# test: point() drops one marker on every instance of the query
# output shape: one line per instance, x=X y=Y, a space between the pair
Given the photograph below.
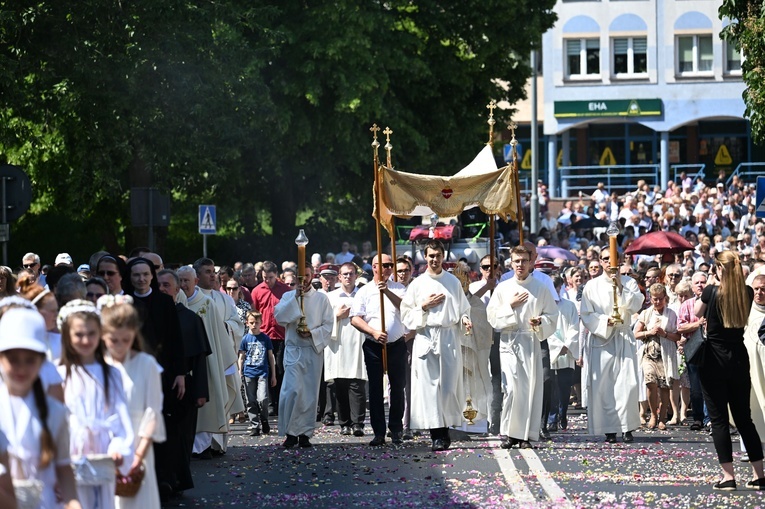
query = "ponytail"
x=47 y=447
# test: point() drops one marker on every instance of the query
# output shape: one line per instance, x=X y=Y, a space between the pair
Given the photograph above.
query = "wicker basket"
x=94 y=470
x=128 y=485
x=28 y=493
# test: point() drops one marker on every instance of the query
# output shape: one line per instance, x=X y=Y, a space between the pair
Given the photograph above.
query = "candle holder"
x=301 y=241
x=612 y=232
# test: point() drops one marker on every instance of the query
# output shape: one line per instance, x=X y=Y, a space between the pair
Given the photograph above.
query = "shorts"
x=653 y=373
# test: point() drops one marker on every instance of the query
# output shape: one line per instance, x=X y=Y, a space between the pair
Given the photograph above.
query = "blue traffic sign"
x=508 y=152
x=760 y=212
x=207 y=220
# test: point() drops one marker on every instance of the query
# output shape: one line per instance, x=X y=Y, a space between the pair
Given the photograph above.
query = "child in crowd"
x=257 y=364
x=142 y=381
x=99 y=422
x=34 y=424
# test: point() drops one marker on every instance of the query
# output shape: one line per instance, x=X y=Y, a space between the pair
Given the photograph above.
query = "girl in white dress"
x=99 y=421
x=141 y=378
x=34 y=424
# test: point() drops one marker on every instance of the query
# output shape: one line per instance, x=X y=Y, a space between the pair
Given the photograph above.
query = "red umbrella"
x=659 y=243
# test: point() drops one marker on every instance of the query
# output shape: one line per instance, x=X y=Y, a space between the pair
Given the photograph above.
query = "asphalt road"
x=669 y=469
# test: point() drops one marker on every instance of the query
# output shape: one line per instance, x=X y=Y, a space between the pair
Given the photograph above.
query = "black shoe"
x=610 y=438
x=545 y=434
x=397 y=437
x=165 y=492
x=328 y=421
x=272 y=412
x=204 y=455
x=304 y=442
x=494 y=429
x=525 y=444
x=346 y=431
x=447 y=443
x=696 y=426
x=265 y=427
x=508 y=443
x=729 y=485
x=627 y=437
x=552 y=427
x=290 y=442
x=438 y=445
x=758 y=484
x=407 y=434
x=377 y=441
x=358 y=430
x=389 y=434
x=254 y=432
x=563 y=423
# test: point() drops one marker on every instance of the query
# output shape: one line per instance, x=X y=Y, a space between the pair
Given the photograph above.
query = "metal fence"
x=748 y=172
x=618 y=178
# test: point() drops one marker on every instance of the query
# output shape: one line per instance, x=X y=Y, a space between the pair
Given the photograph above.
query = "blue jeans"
x=257 y=400
x=698 y=406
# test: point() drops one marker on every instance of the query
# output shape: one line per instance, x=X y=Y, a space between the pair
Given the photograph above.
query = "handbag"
x=128 y=485
x=694 y=348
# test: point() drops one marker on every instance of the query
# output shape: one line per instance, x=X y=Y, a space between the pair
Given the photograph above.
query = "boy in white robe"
x=303 y=360
x=610 y=370
x=524 y=310
x=435 y=306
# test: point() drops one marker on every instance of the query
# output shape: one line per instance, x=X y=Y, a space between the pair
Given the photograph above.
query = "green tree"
x=262 y=107
x=747 y=31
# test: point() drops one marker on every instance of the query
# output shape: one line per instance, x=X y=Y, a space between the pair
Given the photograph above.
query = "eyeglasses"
x=232 y=288
x=291 y=284
x=403 y=271
x=387 y=265
x=29 y=265
x=605 y=258
x=109 y=273
x=673 y=275
x=488 y=267
x=346 y=274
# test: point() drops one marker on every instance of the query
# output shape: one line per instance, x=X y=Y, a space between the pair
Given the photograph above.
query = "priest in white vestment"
x=756 y=349
x=212 y=418
x=609 y=375
x=564 y=352
x=344 y=357
x=303 y=360
x=435 y=306
x=524 y=311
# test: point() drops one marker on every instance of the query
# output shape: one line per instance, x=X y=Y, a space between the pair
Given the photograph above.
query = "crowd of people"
x=117 y=373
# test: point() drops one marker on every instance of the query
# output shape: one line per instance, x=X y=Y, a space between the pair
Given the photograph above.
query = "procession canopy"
x=480 y=184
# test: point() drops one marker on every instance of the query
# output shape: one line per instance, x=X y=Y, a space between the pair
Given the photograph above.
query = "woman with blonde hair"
x=724 y=368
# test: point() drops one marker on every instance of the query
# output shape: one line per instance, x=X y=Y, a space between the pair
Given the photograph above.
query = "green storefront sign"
x=619 y=108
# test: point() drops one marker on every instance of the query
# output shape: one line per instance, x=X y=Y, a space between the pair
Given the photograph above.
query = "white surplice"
x=97 y=425
x=610 y=374
x=142 y=381
x=303 y=360
x=437 y=392
x=756 y=350
x=344 y=356
x=20 y=423
x=475 y=359
x=565 y=335
x=520 y=352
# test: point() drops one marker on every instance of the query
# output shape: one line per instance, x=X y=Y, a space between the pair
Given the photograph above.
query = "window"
x=732 y=59
x=630 y=57
x=694 y=55
x=582 y=58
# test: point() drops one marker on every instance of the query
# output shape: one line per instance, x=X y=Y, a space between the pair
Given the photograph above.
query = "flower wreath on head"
x=107 y=301
x=75 y=306
x=16 y=302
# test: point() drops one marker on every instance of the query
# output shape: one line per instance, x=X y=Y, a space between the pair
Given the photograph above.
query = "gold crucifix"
x=388 y=147
x=491 y=106
x=374 y=130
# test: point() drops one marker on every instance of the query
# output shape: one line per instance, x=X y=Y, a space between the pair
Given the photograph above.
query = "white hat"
x=24 y=329
x=63 y=259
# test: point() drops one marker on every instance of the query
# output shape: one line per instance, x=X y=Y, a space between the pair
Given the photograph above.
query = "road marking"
x=552 y=489
x=513 y=477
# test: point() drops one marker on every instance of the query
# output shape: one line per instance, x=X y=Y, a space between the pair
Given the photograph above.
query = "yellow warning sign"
x=723 y=157
x=526 y=163
x=607 y=158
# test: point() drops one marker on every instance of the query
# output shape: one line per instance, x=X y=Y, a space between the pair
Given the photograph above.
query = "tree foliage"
x=747 y=31
x=262 y=107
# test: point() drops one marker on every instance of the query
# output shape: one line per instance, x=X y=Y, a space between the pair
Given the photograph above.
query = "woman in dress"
x=34 y=424
x=142 y=381
x=99 y=420
x=724 y=368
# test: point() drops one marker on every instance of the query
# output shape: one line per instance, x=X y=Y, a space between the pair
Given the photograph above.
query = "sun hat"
x=24 y=329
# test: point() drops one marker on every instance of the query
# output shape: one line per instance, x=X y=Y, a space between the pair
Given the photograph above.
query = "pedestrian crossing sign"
x=207 y=220
x=760 y=212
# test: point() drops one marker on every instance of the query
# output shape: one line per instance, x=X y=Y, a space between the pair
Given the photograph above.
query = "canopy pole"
x=376 y=166
x=516 y=178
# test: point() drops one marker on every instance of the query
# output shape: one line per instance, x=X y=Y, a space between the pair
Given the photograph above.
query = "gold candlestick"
x=301 y=241
x=612 y=232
